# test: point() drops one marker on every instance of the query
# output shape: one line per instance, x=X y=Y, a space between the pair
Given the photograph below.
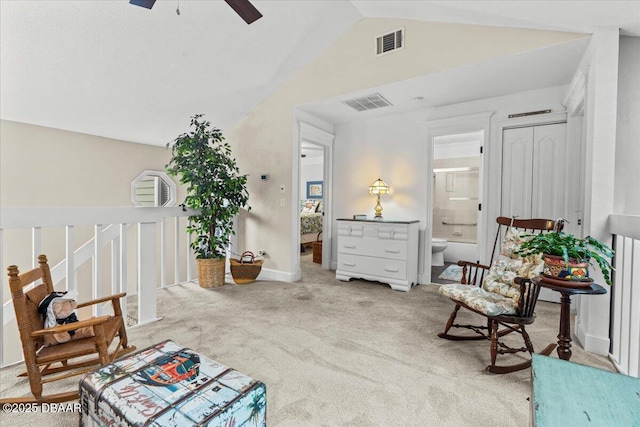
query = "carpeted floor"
x=339 y=354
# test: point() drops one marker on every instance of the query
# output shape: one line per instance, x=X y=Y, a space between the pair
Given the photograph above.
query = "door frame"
x=307 y=132
x=449 y=126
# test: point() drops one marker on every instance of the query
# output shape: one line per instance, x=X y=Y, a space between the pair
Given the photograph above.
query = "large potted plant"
x=567 y=257
x=215 y=190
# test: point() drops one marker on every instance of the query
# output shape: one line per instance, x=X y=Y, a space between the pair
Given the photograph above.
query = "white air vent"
x=390 y=42
x=369 y=102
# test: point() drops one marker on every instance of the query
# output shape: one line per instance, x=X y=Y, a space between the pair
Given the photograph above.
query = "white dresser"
x=386 y=251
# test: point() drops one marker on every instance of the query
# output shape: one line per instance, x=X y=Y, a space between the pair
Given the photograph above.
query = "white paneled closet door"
x=549 y=180
x=534 y=178
x=517 y=172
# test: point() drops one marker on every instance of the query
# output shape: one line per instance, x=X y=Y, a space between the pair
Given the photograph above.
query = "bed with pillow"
x=310 y=221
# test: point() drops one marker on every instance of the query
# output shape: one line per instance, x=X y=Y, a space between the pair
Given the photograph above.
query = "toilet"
x=437 y=251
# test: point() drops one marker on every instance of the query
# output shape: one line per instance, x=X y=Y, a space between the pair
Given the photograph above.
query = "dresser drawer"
x=368 y=266
x=373 y=247
x=393 y=233
x=350 y=229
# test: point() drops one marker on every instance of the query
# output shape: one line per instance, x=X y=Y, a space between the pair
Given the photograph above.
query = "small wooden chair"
x=502 y=292
x=42 y=361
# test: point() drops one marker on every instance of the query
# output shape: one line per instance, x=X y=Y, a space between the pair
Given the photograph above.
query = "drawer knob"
x=349 y=264
x=391 y=270
x=392 y=251
x=349 y=246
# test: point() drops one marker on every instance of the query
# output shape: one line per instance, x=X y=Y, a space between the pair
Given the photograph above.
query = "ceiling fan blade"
x=143 y=3
x=245 y=9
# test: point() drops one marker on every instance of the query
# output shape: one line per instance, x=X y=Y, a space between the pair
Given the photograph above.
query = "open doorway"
x=456 y=203
x=312 y=204
x=312 y=177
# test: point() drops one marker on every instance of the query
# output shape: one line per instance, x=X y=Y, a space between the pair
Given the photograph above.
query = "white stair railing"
x=110 y=227
x=625 y=310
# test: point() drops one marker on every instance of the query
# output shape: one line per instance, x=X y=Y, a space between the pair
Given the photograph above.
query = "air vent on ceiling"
x=390 y=42
x=369 y=102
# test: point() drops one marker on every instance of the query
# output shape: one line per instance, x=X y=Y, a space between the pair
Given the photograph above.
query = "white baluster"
x=147 y=281
x=97 y=268
x=122 y=278
x=176 y=251
x=70 y=271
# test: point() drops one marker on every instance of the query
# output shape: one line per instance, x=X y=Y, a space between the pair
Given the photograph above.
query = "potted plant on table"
x=215 y=190
x=567 y=257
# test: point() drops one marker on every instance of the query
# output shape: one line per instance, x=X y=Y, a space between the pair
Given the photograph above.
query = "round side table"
x=566 y=291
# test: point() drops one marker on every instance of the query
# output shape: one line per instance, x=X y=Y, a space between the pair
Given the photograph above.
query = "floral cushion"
x=499 y=294
x=503 y=270
x=513 y=239
x=488 y=303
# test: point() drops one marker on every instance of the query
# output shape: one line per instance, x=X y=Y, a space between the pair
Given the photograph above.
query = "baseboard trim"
x=146 y=322
x=277 y=275
x=592 y=343
x=422 y=279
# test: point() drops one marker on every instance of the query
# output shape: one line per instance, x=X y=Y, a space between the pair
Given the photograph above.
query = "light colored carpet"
x=339 y=354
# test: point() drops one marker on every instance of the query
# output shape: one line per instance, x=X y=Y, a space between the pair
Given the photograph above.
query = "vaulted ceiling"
x=112 y=69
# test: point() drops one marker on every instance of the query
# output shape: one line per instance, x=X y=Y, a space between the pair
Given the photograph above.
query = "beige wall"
x=263 y=139
x=42 y=166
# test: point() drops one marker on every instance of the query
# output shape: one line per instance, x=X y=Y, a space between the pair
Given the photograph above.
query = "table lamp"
x=377 y=188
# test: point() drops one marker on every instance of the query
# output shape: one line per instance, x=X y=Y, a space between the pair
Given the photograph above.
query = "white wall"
x=601 y=118
x=627 y=173
x=394 y=148
x=263 y=140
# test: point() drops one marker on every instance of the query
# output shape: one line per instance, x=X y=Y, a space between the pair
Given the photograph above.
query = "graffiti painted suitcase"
x=168 y=385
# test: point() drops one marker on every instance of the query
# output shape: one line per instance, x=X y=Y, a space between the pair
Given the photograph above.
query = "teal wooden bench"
x=570 y=394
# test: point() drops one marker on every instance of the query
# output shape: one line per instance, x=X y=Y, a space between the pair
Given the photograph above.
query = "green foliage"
x=569 y=246
x=203 y=162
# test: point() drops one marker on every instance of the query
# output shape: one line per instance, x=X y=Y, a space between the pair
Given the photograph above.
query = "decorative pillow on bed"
x=309 y=207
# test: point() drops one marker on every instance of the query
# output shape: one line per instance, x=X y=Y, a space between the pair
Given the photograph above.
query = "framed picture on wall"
x=314 y=189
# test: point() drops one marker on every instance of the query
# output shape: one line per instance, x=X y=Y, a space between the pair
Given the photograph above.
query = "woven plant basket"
x=246 y=269
x=211 y=272
x=317 y=250
x=555 y=267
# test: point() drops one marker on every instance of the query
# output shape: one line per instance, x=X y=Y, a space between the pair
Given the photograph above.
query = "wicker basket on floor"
x=211 y=272
x=246 y=269
x=317 y=249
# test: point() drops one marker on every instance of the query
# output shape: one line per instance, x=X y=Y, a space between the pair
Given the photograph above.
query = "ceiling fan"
x=244 y=8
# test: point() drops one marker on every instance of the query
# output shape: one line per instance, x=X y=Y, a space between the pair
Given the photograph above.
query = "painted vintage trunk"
x=168 y=385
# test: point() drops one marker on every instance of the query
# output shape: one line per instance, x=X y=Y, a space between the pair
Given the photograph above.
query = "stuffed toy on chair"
x=58 y=308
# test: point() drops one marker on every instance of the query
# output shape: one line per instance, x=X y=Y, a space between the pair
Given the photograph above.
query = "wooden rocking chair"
x=496 y=292
x=43 y=361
